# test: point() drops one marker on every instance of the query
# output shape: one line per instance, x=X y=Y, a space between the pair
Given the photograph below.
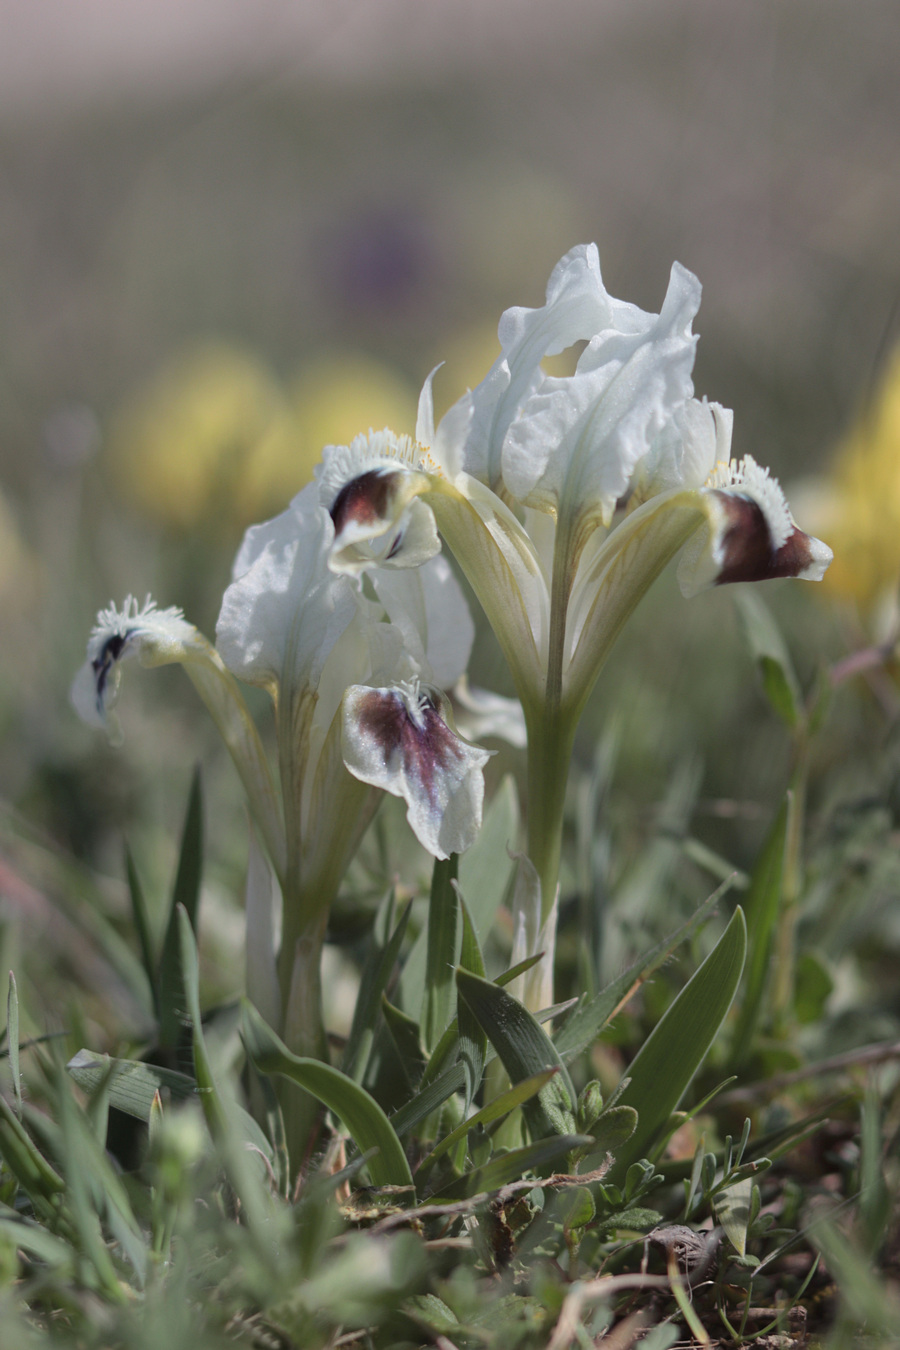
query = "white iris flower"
x=563 y=498
x=355 y=667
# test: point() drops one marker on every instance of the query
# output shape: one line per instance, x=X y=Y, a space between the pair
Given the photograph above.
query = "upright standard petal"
x=577 y=440
x=430 y=610
x=398 y=739
x=285 y=609
x=577 y=306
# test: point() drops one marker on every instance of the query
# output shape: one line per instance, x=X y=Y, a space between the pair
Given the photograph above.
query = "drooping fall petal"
x=157 y=637
x=398 y=739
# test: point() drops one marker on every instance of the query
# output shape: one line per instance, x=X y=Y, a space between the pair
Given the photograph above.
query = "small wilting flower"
x=563 y=497
x=156 y=637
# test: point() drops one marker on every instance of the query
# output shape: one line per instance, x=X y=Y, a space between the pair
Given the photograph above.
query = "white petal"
x=398 y=740
x=576 y=441
x=687 y=451
x=576 y=307
x=488 y=714
x=283 y=614
x=429 y=608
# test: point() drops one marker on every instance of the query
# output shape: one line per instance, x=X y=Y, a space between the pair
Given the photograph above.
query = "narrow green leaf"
x=428 y=1099
x=442 y=952
x=142 y=928
x=677 y=1045
x=35 y=1238
x=133 y=1085
x=507 y=976
x=470 y=956
x=733 y=1213
x=213 y=1109
x=512 y=1166
x=434 y=1091
x=186 y=893
x=38 y=1179
x=762 y=902
x=771 y=654
x=869 y=1298
x=779 y=692
x=404 y=1032
x=79 y=1178
x=373 y=982
x=523 y=1047
x=472 y=1040
x=587 y=1021
x=361 y=1114
x=500 y=1106
x=230 y=1126
x=12 y=1040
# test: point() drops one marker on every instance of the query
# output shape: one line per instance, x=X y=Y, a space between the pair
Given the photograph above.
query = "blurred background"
x=231 y=233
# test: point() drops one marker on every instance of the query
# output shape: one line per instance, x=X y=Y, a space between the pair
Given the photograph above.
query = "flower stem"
x=550 y=738
x=303 y=1027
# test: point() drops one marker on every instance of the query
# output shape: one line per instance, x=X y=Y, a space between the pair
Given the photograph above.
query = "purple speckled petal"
x=397 y=739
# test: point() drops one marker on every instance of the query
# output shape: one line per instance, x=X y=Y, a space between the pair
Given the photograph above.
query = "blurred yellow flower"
x=214 y=435
x=337 y=395
x=859 y=510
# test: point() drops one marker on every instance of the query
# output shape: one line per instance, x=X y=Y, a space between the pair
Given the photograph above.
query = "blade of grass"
x=762 y=904
x=472 y=1040
x=133 y=1085
x=185 y=893
x=363 y=1117
x=374 y=980
x=587 y=1021
x=512 y=1166
x=524 y=1049
x=142 y=928
x=444 y=935
x=500 y=1106
x=12 y=1038
x=671 y=1055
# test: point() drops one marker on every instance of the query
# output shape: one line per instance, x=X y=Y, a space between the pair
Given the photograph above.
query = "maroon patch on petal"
x=425 y=749
x=747 y=545
x=363 y=500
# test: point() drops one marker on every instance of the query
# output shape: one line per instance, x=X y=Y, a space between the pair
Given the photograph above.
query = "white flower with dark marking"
x=159 y=637
x=562 y=498
x=153 y=636
x=750 y=533
x=608 y=471
x=399 y=739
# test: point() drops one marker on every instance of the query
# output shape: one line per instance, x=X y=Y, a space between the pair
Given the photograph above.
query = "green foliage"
x=479 y=1172
x=673 y=1052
